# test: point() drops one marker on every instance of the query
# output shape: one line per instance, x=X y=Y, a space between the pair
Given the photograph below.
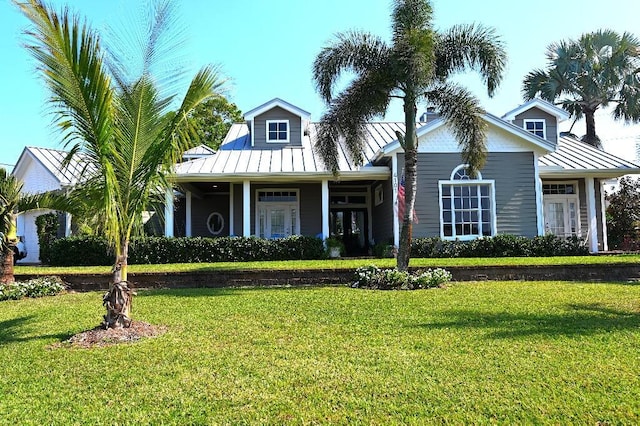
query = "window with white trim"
x=561 y=208
x=537 y=127
x=277 y=131
x=467 y=206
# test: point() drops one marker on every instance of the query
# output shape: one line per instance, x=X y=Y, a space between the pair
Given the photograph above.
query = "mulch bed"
x=100 y=337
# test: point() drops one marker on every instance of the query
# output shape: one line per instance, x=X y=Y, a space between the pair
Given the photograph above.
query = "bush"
x=90 y=250
x=503 y=245
x=47 y=225
x=37 y=287
x=623 y=215
x=375 y=278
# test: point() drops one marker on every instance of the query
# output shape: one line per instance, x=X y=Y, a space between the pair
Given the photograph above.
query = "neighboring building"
x=42 y=170
x=266 y=180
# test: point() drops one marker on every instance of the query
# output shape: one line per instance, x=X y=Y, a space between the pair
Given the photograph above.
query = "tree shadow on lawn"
x=21 y=330
x=577 y=320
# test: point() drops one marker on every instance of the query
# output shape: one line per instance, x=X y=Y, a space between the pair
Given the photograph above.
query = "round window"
x=215 y=223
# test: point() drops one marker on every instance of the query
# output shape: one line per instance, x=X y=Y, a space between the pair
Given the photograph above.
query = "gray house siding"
x=201 y=208
x=537 y=114
x=382 y=215
x=237 y=210
x=276 y=113
x=513 y=174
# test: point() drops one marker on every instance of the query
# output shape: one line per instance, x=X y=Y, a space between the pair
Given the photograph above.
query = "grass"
x=337 y=264
x=484 y=352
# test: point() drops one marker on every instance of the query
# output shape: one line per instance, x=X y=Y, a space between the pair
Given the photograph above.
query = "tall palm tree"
x=414 y=67
x=598 y=69
x=117 y=115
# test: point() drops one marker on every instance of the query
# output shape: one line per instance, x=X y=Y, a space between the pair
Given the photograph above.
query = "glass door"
x=351 y=226
x=561 y=217
x=277 y=220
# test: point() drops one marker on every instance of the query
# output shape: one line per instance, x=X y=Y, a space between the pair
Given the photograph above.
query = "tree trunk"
x=6 y=276
x=591 y=137
x=119 y=297
x=411 y=179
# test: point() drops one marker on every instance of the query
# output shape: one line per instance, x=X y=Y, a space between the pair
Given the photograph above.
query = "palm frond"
x=354 y=51
x=463 y=114
x=471 y=46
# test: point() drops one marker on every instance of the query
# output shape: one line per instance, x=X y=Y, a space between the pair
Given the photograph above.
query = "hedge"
x=91 y=250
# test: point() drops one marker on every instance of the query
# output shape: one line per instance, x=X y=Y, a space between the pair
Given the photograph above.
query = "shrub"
x=47 y=226
x=90 y=250
x=623 y=215
x=502 y=245
x=37 y=287
x=372 y=277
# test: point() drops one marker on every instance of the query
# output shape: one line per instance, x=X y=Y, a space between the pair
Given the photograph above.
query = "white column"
x=325 y=209
x=168 y=213
x=394 y=184
x=539 y=197
x=231 y=224
x=187 y=225
x=603 y=216
x=591 y=215
x=67 y=224
x=246 y=208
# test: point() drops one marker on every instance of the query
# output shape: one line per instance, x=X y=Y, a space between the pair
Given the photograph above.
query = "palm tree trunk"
x=6 y=276
x=119 y=297
x=411 y=180
x=591 y=137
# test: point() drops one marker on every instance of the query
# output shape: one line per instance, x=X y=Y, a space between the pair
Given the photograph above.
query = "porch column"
x=67 y=224
x=187 y=225
x=246 y=208
x=591 y=214
x=325 y=209
x=394 y=183
x=231 y=230
x=168 y=213
x=603 y=217
x=539 y=197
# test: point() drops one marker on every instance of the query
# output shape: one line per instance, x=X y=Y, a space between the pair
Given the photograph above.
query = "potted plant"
x=335 y=247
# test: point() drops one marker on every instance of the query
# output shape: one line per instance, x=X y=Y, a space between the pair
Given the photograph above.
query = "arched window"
x=467 y=205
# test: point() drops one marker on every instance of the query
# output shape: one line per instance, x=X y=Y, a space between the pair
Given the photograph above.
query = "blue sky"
x=266 y=49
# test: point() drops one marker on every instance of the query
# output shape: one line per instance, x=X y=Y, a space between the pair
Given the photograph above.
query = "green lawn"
x=486 y=352
x=338 y=263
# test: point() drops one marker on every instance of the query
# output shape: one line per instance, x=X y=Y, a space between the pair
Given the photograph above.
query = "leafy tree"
x=623 y=216
x=213 y=118
x=594 y=71
x=414 y=67
x=115 y=112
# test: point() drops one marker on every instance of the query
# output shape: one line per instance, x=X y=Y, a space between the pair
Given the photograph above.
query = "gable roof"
x=528 y=137
x=574 y=157
x=198 y=151
x=277 y=102
x=541 y=104
x=52 y=160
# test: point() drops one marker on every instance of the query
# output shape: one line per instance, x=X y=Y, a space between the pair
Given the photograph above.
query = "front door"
x=277 y=220
x=561 y=217
x=352 y=227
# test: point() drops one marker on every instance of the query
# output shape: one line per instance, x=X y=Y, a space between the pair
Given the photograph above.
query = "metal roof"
x=236 y=157
x=197 y=152
x=53 y=159
x=573 y=157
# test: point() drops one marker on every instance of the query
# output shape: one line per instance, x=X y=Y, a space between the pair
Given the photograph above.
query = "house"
x=42 y=170
x=266 y=180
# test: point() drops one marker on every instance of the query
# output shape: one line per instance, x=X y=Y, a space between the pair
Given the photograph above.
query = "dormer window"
x=537 y=127
x=278 y=131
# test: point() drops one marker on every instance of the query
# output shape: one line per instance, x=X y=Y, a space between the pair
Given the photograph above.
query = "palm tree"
x=598 y=69
x=414 y=67
x=117 y=115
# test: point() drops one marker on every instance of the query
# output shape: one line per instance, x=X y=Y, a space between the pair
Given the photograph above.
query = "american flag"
x=401 y=202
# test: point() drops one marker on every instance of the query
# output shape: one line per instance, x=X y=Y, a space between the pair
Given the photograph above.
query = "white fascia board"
x=559 y=172
x=375 y=172
x=277 y=102
x=541 y=104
